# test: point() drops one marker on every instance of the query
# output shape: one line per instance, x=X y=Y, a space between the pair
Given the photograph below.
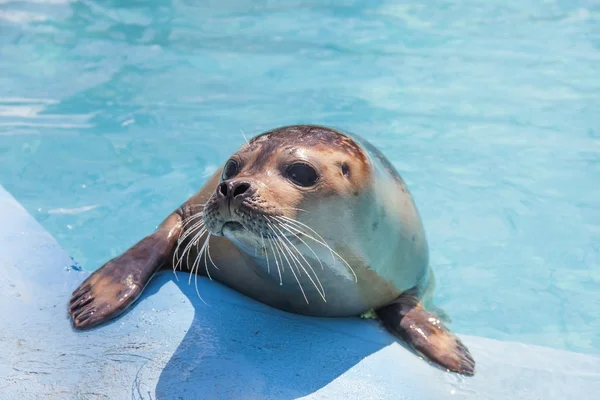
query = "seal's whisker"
x=286 y=250
x=186 y=253
x=197 y=291
x=299 y=263
x=333 y=252
x=187 y=232
x=318 y=281
x=273 y=227
x=245 y=138
x=283 y=251
x=191 y=218
x=208 y=252
x=291 y=223
x=193 y=241
x=276 y=262
x=194 y=271
x=201 y=253
x=264 y=248
x=181 y=238
x=196 y=262
x=205 y=262
x=186 y=249
x=290 y=208
x=284 y=226
x=277 y=243
x=197 y=205
x=299 y=225
x=176 y=256
x=280 y=260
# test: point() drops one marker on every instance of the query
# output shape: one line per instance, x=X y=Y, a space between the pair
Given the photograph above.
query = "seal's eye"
x=231 y=168
x=345 y=170
x=302 y=174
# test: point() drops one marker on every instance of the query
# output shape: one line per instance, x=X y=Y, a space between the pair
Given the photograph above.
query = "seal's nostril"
x=222 y=189
x=241 y=189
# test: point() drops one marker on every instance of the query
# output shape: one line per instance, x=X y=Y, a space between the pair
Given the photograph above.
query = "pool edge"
x=147 y=349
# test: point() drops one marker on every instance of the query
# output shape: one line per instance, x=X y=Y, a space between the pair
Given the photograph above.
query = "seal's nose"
x=234 y=190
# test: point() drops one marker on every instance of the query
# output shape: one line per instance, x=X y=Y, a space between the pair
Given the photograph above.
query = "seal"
x=302 y=218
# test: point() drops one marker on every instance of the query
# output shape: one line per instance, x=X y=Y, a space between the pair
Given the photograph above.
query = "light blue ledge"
x=172 y=345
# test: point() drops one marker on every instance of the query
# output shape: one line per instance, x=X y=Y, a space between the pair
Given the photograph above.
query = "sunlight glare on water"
x=113 y=112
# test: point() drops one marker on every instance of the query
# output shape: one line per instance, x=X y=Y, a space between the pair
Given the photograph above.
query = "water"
x=113 y=112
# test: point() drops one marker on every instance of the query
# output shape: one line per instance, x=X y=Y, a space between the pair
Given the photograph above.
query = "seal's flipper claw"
x=117 y=284
x=111 y=292
x=110 y=300
x=425 y=333
x=81 y=291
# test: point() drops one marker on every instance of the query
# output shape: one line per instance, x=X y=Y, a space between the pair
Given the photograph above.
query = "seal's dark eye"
x=345 y=170
x=302 y=174
x=231 y=168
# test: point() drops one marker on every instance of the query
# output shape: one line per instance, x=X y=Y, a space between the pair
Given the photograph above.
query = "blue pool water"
x=113 y=112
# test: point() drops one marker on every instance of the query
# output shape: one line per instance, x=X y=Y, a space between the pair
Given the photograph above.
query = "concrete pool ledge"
x=173 y=345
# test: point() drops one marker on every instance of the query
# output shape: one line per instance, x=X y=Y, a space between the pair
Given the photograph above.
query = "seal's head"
x=308 y=174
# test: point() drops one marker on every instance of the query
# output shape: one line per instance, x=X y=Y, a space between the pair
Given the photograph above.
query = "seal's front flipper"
x=425 y=333
x=117 y=284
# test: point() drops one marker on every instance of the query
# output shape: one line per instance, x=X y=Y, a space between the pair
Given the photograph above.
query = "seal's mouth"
x=245 y=223
x=235 y=228
x=232 y=226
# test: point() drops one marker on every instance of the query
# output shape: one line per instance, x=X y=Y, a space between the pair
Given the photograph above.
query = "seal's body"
x=302 y=218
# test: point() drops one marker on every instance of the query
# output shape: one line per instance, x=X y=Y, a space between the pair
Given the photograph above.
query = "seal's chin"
x=243 y=235
x=231 y=227
x=243 y=238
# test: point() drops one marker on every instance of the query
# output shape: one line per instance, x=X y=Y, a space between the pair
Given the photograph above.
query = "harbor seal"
x=303 y=218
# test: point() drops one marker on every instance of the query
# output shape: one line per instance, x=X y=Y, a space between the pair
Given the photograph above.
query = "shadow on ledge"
x=237 y=348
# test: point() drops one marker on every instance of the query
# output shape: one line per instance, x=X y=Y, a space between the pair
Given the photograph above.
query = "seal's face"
x=284 y=181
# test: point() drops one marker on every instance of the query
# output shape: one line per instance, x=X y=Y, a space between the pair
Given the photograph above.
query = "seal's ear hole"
x=345 y=170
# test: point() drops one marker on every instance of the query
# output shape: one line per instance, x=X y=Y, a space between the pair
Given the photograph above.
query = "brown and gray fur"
x=350 y=242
